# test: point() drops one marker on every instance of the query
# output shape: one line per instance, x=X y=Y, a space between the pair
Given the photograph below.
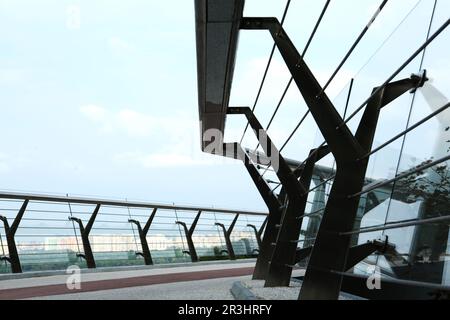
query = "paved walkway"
x=211 y=281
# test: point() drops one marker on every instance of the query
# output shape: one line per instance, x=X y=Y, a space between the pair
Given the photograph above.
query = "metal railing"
x=42 y=232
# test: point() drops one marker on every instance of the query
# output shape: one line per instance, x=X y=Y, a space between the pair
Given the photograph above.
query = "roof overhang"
x=217 y=30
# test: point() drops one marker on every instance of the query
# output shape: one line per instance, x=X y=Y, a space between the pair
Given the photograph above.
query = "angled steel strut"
x=143 y=237
x=84 y=231
x=227 y=235
x=295 y=191
x=328 y=260
x=284 y=254
x=273 y=204
x=189 y=232
x=10 y=231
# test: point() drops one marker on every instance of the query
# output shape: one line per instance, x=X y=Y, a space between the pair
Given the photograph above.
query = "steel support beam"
x=291 y=186
x=143 y=237
x=227 y=236
x=235 y=151
x=258 y=232
x=189 y=232
x=10 y=232
x=323 y=277
x=84 y=232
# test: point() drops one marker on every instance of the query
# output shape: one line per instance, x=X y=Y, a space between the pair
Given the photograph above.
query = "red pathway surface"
x=57 y=289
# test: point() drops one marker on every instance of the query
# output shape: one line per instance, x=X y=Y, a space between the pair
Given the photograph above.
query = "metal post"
x=189 y=232
x=292 y=188
x=284 y=254
x=227 y=235
x=258 y=233
x=10 y=231
x=143 y=237
x=84 y=231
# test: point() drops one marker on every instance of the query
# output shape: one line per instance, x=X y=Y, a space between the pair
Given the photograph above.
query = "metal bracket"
x=84 y=232
x=143 y=237
x=227 y=235
x=189 y=232
x=10 y=231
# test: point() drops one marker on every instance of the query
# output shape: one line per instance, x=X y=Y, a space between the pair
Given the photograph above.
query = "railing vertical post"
x=84 y=231
x=10 y=231
x=146 y=254
x=258 y=232
x=227 y=236
x=189 y=232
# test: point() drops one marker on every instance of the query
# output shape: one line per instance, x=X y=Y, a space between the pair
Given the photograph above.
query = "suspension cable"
x=286 y=9
x=311 y=37
x=355 y=44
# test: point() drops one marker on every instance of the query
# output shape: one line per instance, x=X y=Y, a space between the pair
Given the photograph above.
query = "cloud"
x=13 y=76
x=120 y=46
x=94 y=112
x=172 y=158
x=4 y=166
x=131 y=122
x=174 y=140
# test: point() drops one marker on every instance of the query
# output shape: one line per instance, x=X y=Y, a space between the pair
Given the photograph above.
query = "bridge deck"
x=202 y=281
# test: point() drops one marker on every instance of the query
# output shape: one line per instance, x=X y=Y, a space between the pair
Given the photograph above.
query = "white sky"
x=107 y=105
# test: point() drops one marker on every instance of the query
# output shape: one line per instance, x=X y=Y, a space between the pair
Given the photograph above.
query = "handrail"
x=108 y=202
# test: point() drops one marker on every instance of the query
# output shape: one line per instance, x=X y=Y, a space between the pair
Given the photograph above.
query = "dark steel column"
x=227 y=236
x=291 y=186
x=258 y=233
x=10 y=231
x=84 y=231
x=272 y=203
x=189 y=232
x=143 y=237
